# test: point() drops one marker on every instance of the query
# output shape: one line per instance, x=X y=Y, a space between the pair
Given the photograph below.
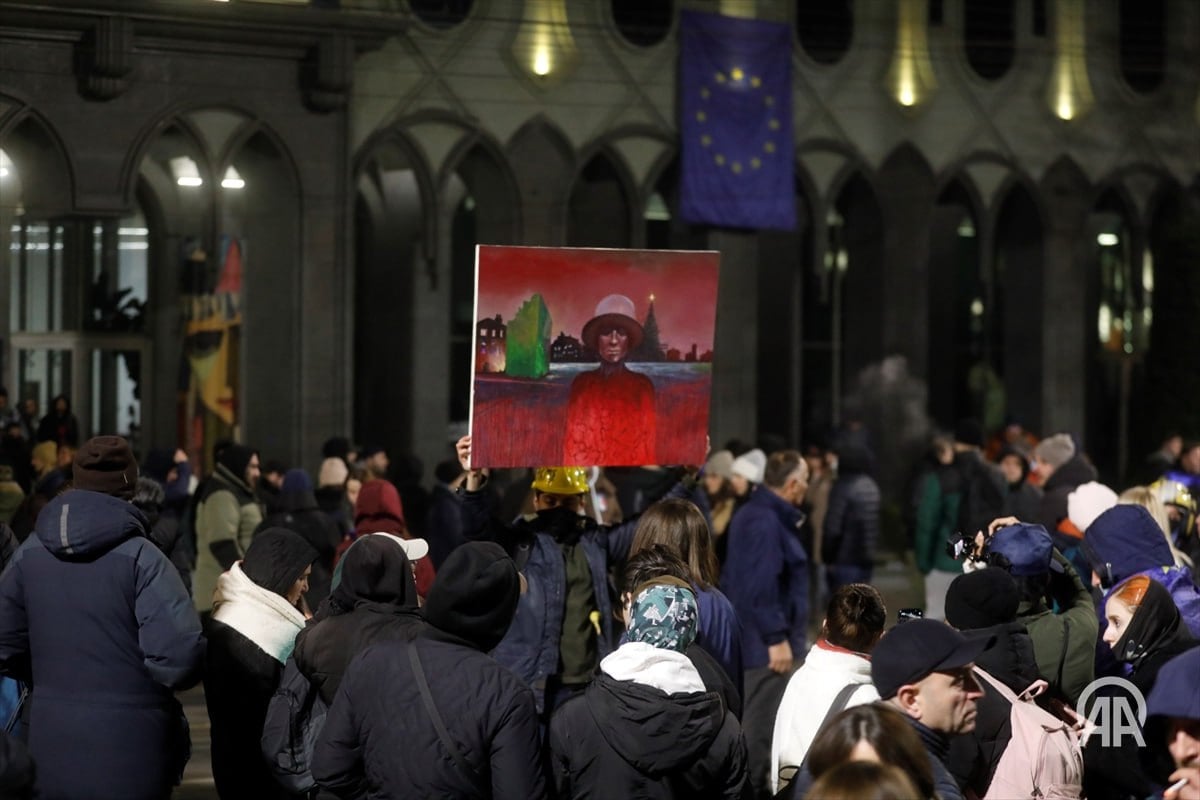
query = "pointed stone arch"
x=1019 y=247
x=601 y=210
x=545 y=165
x=35 y=149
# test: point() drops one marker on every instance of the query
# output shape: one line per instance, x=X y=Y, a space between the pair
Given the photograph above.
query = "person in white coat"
x=853 y=623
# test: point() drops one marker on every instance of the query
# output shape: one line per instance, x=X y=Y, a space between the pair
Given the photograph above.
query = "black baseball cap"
x=909 y=652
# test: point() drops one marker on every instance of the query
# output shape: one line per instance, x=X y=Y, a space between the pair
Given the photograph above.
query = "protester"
x=227 y=514
x=747 y=473
x=851 y=529
x=565 y=624
x=375 y=600
x=680 y=527
x=257 y=613
x=1056 y=607
x=924 y=669
x=1146 y=631
x=863 y=780
x=718 y=471
x=1021 y=498
x=1172 y=729
x=985 y=603
x=297 y=510
x=872 y=732
x=1062 y=470
x=647 y=727
x=59 y=425
x=936 y=524
x=837 y=668
x=652 y=563
x=438 y=717
x=96 y=617
x=379 y=510
x=766 y=578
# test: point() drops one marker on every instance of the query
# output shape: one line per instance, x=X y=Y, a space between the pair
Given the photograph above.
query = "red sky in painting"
x=684 y=285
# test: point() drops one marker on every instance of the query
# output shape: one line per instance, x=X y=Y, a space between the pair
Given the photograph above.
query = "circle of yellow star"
x=720 y=77
x=755 y=163
x=736 y=167
x=737 y=74
x=704 y=93
x=706 y=140
x=720 y=159
x=769 y=147
x=773 y=124
x=756 y=81
x=701 y=116
x=768 y=100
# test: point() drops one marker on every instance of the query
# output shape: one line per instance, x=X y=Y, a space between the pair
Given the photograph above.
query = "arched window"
x=825 y=29
x=1143 y=43
x=643 y=22
x=988 y=35
x=598 y=211
x=441 y=13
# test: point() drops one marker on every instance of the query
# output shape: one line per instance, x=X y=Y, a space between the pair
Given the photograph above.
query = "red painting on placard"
x=589 y=357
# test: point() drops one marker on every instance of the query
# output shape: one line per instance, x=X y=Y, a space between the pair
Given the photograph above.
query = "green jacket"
x=1064 y=644
x=937 y=520
x=225 y=518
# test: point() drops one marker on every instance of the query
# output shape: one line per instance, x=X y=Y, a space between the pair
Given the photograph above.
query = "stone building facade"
x=999 y=192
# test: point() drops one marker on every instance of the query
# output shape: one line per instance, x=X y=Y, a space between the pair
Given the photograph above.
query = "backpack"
x=1043 y=759
x=294 y=720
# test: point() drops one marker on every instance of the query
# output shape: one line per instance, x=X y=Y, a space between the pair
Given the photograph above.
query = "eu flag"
x=736 y=88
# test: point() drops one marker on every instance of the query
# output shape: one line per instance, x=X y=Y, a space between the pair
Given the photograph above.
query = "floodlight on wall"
x=1069 y=92
x=232 y=180
x=910 y=77
x=186 y=172
x=1108 y=240
x=544 y=44
x=5 y=165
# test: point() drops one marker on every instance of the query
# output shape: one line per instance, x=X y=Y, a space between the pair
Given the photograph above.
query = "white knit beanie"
x=1088 y=501
x=751 y=465
x=333 y=473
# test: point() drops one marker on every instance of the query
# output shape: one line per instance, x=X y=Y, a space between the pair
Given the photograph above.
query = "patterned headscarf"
x=665 y=616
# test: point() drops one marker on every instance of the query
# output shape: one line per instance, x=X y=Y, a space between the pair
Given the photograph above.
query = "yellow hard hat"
x=560 y=480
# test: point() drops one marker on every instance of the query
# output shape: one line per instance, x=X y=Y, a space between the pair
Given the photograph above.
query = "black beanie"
x=982 y=599
x=474 y=595
x=105 y=464
x=276 y=558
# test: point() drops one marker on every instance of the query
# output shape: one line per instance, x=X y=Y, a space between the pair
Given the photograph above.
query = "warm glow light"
x=543 y=44
x=1107 y=240
x=1069 y=93
x=232 y=180
x=186 y=181
x=541 y=61
x=910 y=77
x=3 y=172
x=186 y=172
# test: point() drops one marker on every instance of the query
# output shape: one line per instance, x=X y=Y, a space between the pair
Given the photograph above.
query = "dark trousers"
x=764 y=690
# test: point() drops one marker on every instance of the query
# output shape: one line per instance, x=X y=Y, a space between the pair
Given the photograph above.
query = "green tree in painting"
x=529 y=340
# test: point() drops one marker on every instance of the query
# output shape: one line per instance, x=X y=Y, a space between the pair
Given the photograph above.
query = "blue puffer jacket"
x=103 y=618
x=766 y=576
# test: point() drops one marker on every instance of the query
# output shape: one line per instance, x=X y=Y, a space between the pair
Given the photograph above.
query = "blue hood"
x=1176 y=693
x=1124 y=541
x=81 y=523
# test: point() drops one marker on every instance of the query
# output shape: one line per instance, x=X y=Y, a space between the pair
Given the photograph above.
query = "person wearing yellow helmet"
x=565 y=622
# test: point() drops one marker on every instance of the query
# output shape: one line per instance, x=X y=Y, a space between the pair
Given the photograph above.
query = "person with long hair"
x=863 y=780
x=876 y=733
x=680 y=526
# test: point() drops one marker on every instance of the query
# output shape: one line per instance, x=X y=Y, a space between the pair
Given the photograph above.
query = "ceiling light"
x=232 y=180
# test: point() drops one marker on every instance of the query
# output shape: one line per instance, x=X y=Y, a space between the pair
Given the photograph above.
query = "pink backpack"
x=1043 y=758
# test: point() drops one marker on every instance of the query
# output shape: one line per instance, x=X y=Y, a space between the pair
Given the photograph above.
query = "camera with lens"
x=961 y=546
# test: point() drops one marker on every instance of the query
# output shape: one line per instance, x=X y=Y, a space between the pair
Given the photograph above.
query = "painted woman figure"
x=610 y=414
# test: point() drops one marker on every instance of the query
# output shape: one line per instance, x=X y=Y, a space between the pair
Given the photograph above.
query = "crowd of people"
x=571 y=632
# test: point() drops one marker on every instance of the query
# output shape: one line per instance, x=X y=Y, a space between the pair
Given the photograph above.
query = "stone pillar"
x=735 y=367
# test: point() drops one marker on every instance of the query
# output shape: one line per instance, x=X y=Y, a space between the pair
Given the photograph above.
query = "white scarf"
x=667 y=670
x=262 y=616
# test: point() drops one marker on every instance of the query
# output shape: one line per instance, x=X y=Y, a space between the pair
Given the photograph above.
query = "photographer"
x=1064 y=643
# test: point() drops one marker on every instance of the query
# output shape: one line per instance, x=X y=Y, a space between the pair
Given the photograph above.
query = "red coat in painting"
x=610 y=418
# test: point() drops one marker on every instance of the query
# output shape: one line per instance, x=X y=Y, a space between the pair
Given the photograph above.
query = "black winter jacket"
x=300 y=513
x=379 y=740
x=973 y=757
x=851 y=530
x=239 y=680
x=621 y=739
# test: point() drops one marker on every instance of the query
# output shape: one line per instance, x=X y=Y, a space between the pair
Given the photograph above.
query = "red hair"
x=1133 y=591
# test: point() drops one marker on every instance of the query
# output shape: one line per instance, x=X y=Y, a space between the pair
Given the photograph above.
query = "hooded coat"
x=1125 y=541
x=1176 y=694
x=97 y=617
x=251 y=636
x=375 y=601
x=1155 y=635
x=628 y=738
x=379 y=740
x=379 y=510
x=851 y=529
x=297 y=510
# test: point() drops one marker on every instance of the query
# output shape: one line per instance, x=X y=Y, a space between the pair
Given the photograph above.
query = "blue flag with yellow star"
x=735 y=83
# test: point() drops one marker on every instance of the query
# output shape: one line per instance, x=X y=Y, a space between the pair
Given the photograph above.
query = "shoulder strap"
x=839 y=703
x=419 y=673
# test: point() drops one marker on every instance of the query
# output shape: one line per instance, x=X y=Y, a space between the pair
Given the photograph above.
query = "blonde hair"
x=1148 y=499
